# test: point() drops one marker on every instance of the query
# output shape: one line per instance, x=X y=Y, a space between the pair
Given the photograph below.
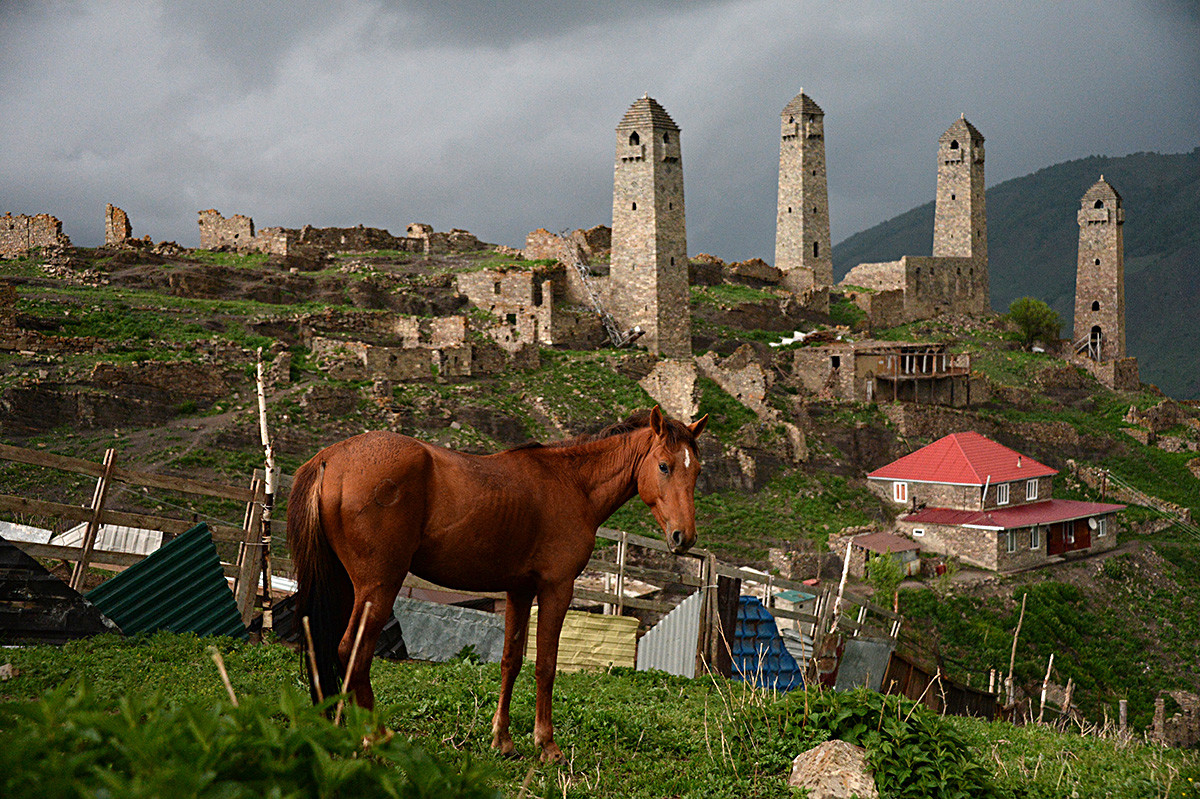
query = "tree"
x=1035 y=321
x=885 y=574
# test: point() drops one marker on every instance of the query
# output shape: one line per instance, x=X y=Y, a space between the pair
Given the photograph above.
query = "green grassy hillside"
x=1033 y=240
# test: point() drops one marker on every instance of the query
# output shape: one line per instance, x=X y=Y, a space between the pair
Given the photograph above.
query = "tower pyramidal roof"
x=802 y=104
x=1101 y=189
x=960 y=128
x=646 y=112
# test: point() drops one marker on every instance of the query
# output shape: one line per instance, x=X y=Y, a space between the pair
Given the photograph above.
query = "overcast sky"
x=498 y=117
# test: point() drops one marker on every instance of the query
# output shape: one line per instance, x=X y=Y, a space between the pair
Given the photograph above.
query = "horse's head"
x=667 y=478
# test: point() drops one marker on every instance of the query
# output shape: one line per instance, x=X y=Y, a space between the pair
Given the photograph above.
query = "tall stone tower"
x=1100 y=275
x=649 y=272
x=802 y=247
x=960 y=211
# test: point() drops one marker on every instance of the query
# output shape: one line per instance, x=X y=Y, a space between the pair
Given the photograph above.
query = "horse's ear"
x=697 y=427
x=656 y=421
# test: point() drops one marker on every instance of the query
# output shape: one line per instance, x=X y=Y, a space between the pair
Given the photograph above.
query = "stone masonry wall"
x=236 y=232
x=520 y=298
x=21 y=233
x=1100 y=272
x=803 y=252
x=117 y=229
x=976 y=547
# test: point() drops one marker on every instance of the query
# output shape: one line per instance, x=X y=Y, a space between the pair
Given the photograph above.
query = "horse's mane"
x=676 y=432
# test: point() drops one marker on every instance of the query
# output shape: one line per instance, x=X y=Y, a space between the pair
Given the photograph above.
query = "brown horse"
x=366 y=511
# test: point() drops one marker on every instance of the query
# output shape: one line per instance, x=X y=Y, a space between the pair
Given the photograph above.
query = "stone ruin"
x=1181 y=730
x=21 y=233
x=237 y=233
x=117 y=229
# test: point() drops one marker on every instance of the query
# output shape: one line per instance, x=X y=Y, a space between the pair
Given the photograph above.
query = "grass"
x=727 y=295
x=242 y=260
x=624 y=733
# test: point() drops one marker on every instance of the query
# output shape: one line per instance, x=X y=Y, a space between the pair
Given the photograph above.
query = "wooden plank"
x=99 y=556
x=78 y=513
x=79 y=466
x=40 y=507
x=646 y=575
x=588 y=595
x=184 y=485
x=50 y=460
x=795 y=615
x=413 y=581
x=750 y=576
x=94 y=522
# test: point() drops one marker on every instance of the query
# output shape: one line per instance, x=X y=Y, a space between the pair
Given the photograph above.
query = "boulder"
x=834 y=770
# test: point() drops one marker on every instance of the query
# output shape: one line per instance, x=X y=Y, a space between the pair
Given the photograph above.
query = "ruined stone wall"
x=882 y=276
x=21 y=233
x=672 y=384
x=117 y=229
x=649 y=270
x=236 y=232
x=814 y=368
x=522 y=299
x=884 y=309
x=355 y=239
x=742 y=377
x=803 y=252
x=1182 y=729
x=1119 y=375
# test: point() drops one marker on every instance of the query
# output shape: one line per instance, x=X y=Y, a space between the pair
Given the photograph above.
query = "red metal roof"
x=963 y=459
x=884 y=543
x=1047 y=512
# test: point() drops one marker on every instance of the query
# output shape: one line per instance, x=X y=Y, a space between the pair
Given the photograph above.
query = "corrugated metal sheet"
x=439 y=632
x=113 y=538
x=37 y=607
x=589 y=640
x=864 y=662
x=670 y=645
x=759 y=656
x=181 y=588
x=11 y=531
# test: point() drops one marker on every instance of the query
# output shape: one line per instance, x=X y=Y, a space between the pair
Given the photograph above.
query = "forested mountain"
x=1033 y=239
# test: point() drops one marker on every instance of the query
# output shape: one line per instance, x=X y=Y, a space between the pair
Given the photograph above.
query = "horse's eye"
x=662 y=467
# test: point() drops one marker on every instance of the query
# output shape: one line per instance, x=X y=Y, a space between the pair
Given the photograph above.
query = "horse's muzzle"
x=678 y=543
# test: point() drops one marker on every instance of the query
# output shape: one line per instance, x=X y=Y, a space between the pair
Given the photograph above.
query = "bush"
x=1035 y=321
x=71 y=744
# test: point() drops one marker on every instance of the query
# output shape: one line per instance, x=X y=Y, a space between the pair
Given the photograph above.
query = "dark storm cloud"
x=499 y=117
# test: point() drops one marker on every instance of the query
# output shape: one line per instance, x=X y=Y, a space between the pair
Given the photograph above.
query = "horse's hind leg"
x=382 y=597
x=516 y=631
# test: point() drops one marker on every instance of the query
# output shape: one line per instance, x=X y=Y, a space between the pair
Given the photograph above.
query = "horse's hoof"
x=551 y=753
x=506 y=748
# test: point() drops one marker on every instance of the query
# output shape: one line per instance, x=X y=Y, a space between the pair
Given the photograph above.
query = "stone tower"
x=960 y=211
x=649 y=272
x=1100 y=275
x=802 y=248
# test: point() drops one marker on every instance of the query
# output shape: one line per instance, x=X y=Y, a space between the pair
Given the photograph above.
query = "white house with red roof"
x=990 y=506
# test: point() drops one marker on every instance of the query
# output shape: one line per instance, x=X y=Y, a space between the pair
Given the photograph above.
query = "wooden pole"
x=622 y=553
x=1045 y=685
x=992 y=681
x=837 y=603
x=1066 y=706
x=1123 y=707
x=93 y=525
x=1012 y=659
x=269 y=497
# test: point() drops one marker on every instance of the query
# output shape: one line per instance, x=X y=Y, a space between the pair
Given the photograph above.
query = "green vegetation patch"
x=726 y=295
x=240 y=260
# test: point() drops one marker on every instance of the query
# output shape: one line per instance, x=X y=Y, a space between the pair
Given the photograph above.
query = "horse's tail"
x=323 y=589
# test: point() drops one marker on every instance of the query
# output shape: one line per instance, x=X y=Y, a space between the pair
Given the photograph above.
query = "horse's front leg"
x=516 y=631
x=553 y=601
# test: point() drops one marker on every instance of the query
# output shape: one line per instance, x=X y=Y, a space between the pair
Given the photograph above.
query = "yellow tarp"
x=589 y=640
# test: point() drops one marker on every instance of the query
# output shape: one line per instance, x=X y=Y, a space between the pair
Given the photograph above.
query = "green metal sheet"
x=181 y=588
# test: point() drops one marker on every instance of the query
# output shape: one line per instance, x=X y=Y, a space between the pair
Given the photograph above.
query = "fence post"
x=93 y=526
x=249 y=559
x=707 y=603
x=622 y=553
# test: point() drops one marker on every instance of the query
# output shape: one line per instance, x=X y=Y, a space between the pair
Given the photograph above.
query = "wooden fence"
x=245 y=568
x=697 y=569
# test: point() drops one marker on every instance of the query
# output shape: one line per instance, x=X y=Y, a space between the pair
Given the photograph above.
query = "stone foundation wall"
x=21 y=233
x=1119 y=375
x=975 y=547
x=884 y=309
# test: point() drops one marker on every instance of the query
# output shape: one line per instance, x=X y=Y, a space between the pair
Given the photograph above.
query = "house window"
x=1012 y=540
x=1101 y=527
x=1035 y=537
x=634 y=139
x=1031 y=489
x=918 y=532
x=900 y=492
x=1002 y=494
x=1095 y=305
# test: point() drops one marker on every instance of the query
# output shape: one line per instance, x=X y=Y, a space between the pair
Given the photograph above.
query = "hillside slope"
x=1033 y=240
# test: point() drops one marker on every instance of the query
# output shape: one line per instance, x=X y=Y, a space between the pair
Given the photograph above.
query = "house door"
x=1083 y=534
x=1095 y=343
x=1056 y=538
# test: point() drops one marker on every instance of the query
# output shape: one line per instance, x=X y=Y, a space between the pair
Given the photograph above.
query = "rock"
x=834 y=770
